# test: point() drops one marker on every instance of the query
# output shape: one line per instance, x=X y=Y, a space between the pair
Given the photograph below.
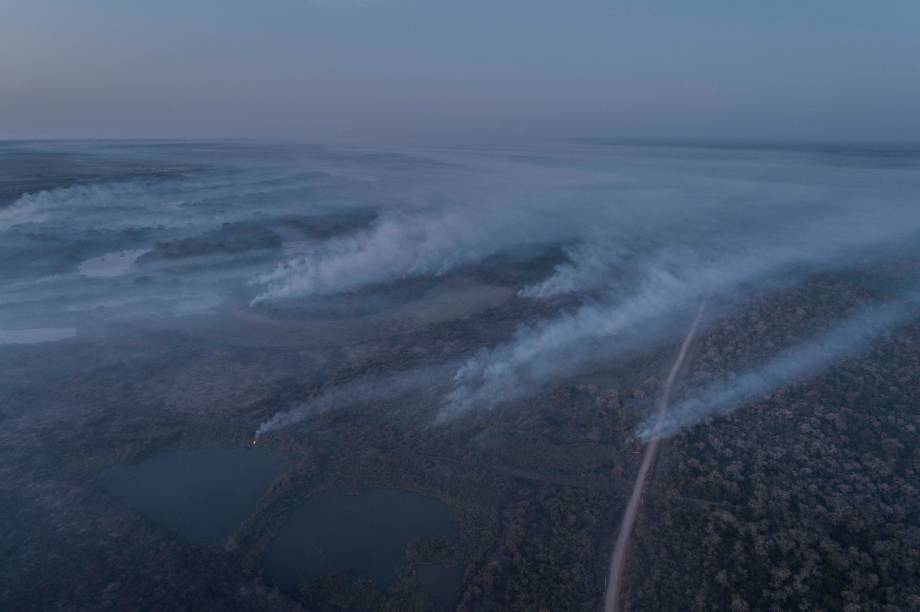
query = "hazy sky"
x=461 y=70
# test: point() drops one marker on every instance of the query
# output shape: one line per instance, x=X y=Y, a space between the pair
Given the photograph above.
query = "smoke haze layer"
x=640 y=274
x=636 y=235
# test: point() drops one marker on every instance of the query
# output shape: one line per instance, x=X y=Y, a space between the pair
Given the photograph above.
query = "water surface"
x=204 y=494
x=362 y=535
x=110 y=264
x=441 y=583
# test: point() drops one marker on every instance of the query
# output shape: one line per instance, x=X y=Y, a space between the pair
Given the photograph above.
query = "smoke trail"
x=365 y=390
x=436 y=241
x=24 y=210
x=610 y=211
x=817 y=235
x=402 y=245
x=110 y=205
x=589 y=266
x=397 y=247
x=657 y=290
x=845 y=340
x=303 y=411
x=163 y=203
x=618 y=558
x=538 y=356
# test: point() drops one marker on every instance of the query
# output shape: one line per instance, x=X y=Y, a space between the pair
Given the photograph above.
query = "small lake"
x=110 y=264
x=203 y=494
x=364 y=536
x=441 y=583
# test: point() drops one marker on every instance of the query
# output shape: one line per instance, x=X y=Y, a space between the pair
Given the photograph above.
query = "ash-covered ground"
x=259 y=376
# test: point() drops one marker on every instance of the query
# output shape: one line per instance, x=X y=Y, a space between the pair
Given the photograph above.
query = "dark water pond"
x=204 y=494
x=364 y=536
x=441 y=583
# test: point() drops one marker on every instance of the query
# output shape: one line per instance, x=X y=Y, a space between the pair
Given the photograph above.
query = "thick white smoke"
x=609 y=211
x=559 y=348
x=397 y=247
x=640 y=303
x=428 y=242
x=846 y=339
x=23 y=211
x=87 y=242
x=590 y=265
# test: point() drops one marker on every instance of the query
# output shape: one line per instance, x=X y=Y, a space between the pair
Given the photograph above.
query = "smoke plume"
x=847 y=339
x=370 y=389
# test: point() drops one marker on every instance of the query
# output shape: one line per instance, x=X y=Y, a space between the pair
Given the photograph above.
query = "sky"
x=461 y=71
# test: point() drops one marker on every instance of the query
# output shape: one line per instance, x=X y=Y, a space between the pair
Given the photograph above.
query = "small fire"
x=254 y=440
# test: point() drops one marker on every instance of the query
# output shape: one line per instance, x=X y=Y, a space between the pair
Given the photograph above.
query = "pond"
x=364 y=536
x=203 y=494
x=110 y=264
x=441 y=583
